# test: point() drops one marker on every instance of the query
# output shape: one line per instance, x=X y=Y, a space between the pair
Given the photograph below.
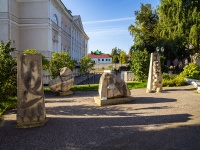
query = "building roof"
x=99 y=56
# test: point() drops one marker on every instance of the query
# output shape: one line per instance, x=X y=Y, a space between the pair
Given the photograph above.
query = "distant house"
x=101 y=58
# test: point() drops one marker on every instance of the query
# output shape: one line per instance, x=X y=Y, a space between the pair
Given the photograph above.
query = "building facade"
x=45 y=25
x=101 y=58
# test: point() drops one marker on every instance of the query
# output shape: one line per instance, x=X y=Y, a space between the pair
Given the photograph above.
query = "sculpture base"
x=112 y=101
x=65 y=93
x=32 y=124
x=159 y=90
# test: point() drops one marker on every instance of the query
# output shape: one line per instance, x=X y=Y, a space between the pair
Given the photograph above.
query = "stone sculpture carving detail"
x=30 y=93
x=155 y=74
x=64 y=82
x=111 y=86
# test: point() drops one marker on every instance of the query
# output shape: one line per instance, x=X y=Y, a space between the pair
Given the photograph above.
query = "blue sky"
x=106 y=22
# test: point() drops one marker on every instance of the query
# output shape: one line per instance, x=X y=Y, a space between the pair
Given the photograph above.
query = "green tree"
x=140 y=64
x=8 y=72
x=115 y=55
x=179 y=27
x=58 y=61
x=45 y=62
x=122 y=57
x=144 y=30
x=86 y=65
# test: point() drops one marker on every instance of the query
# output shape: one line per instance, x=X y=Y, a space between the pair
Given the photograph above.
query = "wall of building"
x=30 y=24
x=102 y=60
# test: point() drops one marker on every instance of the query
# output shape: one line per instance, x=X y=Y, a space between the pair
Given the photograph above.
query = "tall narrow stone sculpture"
x=30 y=93
x=155 y=74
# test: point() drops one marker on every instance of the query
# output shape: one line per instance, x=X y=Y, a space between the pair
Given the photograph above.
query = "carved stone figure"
x=30 y=93
x=111 y=86
x=155 y=74
x=112 y=90
x=62 y=83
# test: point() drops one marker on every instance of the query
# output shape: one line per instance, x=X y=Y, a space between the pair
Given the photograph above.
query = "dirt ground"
x=153 y=121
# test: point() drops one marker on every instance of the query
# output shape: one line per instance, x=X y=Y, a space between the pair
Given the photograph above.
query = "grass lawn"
x=7 y=104
x=94 y=87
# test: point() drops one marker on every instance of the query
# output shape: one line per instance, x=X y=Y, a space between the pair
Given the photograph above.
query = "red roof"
x=99 y=56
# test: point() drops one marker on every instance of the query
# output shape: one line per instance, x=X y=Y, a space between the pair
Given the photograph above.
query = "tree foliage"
x=8 y=72
x=45 y=62
x=122 y=57
x=115 y=55
x=140 y=64
x=58 y=61
x=179 y=27
x=86 y=65
x=144 y=30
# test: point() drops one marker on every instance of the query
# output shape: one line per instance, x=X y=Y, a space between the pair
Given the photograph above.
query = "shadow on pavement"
x=103 y=134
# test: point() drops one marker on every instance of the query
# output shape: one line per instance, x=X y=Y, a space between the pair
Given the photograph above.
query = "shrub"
x=140 y=64
x=59 y=61
x=171 y=80
x=45 y=62
x=191 y=71
x=8 y=72
x=86 y=65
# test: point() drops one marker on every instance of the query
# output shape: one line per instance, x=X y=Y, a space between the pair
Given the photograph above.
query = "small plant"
x=9 y=103
x=191 y=71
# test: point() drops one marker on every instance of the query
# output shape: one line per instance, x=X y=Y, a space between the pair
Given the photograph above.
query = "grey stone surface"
x=155 y=74
x=163 y=121
x=64 y=82
x=30 y=93
x=111 y=86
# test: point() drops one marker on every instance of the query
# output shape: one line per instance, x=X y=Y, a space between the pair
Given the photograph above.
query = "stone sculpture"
x=62 y=83
x=30 y=93
x=155 y=74
x=112 y=90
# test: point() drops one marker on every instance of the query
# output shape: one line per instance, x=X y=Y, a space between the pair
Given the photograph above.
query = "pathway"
x=164 y=121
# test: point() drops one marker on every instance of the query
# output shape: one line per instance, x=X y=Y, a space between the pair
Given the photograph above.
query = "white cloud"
x=110 y=20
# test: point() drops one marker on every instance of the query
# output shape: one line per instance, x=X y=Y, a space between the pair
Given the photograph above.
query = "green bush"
x=59 y=61
x=171 y=80
x=45 y=62
x=140 y=64
x=191 y=71
x=8 y=72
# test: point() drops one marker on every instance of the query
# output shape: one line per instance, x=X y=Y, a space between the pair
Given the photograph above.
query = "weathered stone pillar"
x=155 y=74
x=30 y=93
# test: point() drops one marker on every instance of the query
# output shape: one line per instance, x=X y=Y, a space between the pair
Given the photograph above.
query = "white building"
x=46 y=25
x=101 y=58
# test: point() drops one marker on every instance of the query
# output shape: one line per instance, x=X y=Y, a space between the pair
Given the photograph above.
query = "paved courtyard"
x=154 y=121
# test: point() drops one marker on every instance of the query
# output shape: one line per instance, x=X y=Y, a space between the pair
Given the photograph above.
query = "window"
x=66 y=28
x=102 y=59
x=55 y=19
x=61 y=25
x=98 y=59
